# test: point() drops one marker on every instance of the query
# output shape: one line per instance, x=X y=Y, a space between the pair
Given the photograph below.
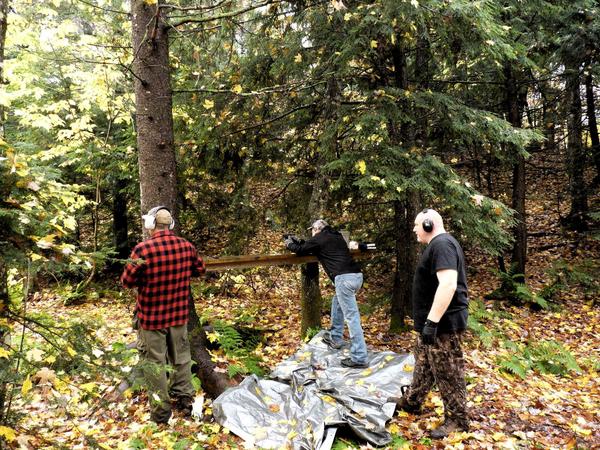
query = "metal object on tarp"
x=311 y=392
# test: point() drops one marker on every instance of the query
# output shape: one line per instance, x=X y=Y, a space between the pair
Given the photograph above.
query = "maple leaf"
x=27 y=385
x=7 y=433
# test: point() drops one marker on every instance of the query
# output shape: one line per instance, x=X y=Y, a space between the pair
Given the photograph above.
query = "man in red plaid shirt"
x=161 y=269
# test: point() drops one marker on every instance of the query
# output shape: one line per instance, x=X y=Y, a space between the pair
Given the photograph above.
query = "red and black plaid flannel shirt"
x=162 y=279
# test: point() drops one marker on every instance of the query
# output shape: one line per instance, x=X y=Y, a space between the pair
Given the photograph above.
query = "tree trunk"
x=156 y=155
x=153 y=104
x=120 y=225
x=576 y=158
x=312 y=301
x=514 y=116
x=3 y=27
x=406 y=261
x=213 y=383
x=592 y=123
x=549 y=115
x=404 y=213
x=4 y=300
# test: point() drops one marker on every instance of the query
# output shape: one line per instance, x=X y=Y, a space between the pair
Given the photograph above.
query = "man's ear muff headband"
x=427 y=224
x=150 y=218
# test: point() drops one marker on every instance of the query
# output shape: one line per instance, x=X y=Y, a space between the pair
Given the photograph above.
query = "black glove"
x=429 y=332
x=288 y=240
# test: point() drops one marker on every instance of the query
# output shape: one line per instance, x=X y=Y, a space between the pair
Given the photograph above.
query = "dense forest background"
x=250 y=119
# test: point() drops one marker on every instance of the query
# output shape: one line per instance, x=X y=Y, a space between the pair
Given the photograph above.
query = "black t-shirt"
x=443 y=252
x=331 y=249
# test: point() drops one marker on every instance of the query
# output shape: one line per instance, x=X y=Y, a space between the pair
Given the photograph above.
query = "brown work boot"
x=184 y=405
x=449 y=426
x=403 y=405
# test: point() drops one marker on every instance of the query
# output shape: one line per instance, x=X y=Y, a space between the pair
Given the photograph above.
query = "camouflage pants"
x=442 y=364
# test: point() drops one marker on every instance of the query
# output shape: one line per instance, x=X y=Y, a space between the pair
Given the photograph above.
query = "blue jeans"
x=345 y=309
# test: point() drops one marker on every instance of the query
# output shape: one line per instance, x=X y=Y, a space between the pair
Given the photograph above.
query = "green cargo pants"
x=161 y=349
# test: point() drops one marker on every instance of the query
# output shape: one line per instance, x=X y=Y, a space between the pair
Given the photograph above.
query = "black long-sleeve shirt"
x=331 y=249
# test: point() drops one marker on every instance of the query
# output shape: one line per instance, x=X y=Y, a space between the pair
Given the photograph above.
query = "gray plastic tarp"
x=311 y=391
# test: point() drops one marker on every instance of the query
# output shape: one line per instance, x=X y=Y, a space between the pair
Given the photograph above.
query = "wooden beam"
x=282 y=259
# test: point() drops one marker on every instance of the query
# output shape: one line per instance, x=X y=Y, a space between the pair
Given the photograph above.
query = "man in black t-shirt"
x=440 y=307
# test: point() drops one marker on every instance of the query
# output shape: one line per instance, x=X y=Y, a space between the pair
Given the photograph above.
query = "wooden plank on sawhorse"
x=282 y=259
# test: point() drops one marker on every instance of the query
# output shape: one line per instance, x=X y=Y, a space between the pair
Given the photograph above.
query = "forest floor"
x=67 y=408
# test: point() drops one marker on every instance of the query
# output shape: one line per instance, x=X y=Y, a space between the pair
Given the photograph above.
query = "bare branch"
x=225 y=15
x=116 y=11
x=274 y=119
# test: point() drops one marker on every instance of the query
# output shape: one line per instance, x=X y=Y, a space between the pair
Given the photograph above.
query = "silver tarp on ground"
x=311 y=391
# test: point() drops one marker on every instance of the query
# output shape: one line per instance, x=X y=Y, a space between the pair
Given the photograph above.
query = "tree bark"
x=592 y=123
x=311 y=299
x=213 y=383
x=576 y=157
x=120 y=224
x=156 y=154
x=404 y=213
x=406 y=261
x=514 y=111
x=153 y=104
x=4 y=300
x=3 y=27
x=549 y=115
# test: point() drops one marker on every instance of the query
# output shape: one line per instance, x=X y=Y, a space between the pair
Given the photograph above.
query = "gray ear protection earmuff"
x=150 y=218
x=427 y=224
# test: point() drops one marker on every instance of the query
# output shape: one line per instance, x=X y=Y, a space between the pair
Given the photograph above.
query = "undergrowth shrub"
x=482 y=322
x=547 y=357
x=239 y=348
x=564 y=275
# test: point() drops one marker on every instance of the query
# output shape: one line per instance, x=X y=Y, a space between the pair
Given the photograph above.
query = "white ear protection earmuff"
x=150 y=218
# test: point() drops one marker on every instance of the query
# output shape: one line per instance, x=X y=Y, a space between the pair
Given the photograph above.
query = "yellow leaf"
x=3 y=353
x=88 y=387
x=208 y=104
x=71 y=351
x=394 y=428
x=298 y=58
x=291 y=435
x=7 y=433
x=361 y=166
x=70 y=223
x=35 y=354
x=237 y=88
x=27 y=385
x=577 y=429
x=212 y=336
x=373 y=44
x=150 y=2
x=498 y=436
x=408 y=368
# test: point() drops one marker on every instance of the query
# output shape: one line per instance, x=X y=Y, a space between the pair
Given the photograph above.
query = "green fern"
x=515 y=366
x=234 y=345
x=548 y=357
x=229 y=338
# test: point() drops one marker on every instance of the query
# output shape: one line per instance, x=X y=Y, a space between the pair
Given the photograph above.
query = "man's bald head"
x=428 y=224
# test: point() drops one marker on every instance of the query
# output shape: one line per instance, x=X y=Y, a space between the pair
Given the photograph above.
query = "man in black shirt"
x=440 y=307
x=331 y=249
